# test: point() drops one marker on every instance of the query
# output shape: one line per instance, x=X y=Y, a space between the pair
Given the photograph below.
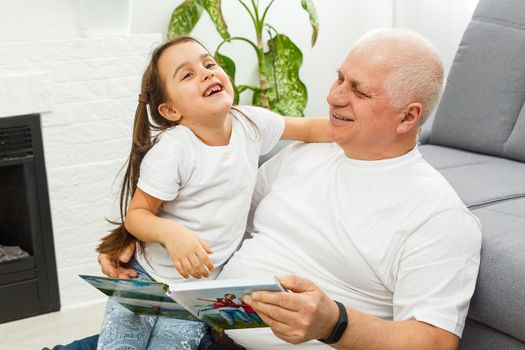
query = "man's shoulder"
x=302 y=149
x=427 y=173
x=427 y=182
x=299 y=157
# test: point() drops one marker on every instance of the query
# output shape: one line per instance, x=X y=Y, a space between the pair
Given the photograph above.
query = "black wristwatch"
x=339 y=328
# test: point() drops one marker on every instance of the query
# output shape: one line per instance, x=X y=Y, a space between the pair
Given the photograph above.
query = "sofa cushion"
x=500 y=291
x=482 y=106
x=478 y=336
x=478 y=179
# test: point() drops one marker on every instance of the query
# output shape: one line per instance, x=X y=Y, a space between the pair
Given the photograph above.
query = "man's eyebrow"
x=355 y=84
x=186 y=63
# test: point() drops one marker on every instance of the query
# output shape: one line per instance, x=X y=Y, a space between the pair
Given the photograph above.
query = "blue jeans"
x=89 y=343
x=122 y=329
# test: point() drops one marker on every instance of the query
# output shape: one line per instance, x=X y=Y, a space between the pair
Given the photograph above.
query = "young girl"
x=191 y=183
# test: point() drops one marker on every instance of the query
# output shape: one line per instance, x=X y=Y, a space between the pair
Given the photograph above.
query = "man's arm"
x=111 y=270
x=308 y=313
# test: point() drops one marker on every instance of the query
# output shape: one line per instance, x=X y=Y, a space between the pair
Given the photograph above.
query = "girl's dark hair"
x=154 y=94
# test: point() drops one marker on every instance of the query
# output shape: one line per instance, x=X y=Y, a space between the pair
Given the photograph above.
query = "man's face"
x=363 y=121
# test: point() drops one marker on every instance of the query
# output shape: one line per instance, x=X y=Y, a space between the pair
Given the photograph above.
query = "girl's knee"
x=177 y=334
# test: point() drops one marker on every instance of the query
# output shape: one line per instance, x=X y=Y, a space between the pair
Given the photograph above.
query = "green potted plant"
x=278 y=62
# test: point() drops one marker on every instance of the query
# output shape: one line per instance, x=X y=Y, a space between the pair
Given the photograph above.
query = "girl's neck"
x=212 y=135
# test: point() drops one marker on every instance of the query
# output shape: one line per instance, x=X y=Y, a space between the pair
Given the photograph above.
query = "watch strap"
x=340 y=326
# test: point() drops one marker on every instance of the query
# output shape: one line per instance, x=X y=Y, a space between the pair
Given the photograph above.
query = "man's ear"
x=411 y=116
x=168 y=112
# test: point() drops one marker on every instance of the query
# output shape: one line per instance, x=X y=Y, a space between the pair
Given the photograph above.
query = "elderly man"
x=387 y=253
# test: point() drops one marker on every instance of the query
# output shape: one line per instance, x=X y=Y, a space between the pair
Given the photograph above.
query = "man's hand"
x=307 y=313
x=113 y=271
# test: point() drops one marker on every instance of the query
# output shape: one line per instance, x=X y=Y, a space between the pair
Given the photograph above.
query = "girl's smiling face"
x=199 y=92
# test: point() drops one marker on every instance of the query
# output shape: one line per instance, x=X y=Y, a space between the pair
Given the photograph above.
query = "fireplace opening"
x=28 y=277
x=14 y=209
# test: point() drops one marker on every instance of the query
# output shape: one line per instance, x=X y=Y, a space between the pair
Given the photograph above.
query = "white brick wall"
x=86 y=91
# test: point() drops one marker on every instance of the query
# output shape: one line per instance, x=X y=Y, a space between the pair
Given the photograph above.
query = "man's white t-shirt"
x=390 y=238
x=207 y=189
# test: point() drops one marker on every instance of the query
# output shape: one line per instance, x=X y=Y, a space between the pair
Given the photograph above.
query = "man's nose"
x=337 y=96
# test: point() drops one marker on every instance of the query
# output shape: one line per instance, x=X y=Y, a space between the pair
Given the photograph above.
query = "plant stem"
x=259 y=48
x=270 y=28
x=255 y=8
x=266 y=11
x=263 y=81
x=240 y=38
x=255 y=20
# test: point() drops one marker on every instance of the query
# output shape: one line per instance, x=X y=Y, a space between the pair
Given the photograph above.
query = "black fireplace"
x=28 y=285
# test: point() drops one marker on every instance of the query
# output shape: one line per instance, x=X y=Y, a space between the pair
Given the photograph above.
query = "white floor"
x=51 y=329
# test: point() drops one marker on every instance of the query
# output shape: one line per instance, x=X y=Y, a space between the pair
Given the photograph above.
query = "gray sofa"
x=477 y=141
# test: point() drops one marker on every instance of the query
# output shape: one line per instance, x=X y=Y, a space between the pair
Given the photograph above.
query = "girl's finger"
x=188 y=267
x=181 y=269
x=198 y=266
x=126 y=255
x=205 y=246
x=205 y=259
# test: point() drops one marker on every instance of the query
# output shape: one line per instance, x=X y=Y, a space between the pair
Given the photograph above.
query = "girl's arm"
x=311 y=129
x=188 y=252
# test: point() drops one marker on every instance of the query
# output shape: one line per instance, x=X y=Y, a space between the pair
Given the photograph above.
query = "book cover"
x=219 y=302
x=140 y=296
x=216 y=302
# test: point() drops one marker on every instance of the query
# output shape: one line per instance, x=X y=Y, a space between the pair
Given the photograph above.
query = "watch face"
x=339 y=328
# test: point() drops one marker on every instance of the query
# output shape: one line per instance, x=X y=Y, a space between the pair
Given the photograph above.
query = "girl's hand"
x=189 y=253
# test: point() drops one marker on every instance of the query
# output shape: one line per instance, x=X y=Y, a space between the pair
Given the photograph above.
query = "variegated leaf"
x=213 y=7
x=287 y=93
x=229 y=67
x=308 y=5
x=184 y=18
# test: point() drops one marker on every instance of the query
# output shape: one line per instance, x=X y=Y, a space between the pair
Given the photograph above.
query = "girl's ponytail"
x=118 y=239
x=153 y=94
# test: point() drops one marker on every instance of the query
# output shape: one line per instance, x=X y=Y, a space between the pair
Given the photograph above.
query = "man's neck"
x=391 y=151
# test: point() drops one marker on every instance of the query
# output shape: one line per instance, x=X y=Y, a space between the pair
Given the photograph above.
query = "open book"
x=216 y=302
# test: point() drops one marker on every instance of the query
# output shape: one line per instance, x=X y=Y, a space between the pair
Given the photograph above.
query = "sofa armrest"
x=424 y=134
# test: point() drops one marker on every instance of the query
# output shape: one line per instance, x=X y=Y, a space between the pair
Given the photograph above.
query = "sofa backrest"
x=482 y=108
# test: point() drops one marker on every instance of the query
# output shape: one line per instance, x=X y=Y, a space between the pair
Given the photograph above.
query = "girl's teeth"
x=212 y=90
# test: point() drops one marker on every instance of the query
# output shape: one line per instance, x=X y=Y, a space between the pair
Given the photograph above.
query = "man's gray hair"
x=417 y=74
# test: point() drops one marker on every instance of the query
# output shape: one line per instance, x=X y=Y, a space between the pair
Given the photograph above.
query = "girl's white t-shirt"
x=205 y=188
